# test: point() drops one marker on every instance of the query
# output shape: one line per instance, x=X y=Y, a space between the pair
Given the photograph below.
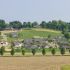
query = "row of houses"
x=37 y=43
x=32 y=43
x=6 y=44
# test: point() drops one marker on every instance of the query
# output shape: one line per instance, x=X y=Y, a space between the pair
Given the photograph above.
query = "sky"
x=35 y=10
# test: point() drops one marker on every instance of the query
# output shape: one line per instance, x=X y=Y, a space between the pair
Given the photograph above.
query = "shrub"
x=23 y=52
x=62 y=50
x=0 y=33
x=53 y=51
x=33 y=51
x=43 y=51
x=12 y=51
x=69 y=50
x=2 y=50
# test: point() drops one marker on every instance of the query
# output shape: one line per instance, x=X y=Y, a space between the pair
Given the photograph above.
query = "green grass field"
x=66 y=67
x=30 y=33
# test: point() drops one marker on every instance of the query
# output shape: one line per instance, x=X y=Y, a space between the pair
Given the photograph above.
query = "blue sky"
x=35 y=10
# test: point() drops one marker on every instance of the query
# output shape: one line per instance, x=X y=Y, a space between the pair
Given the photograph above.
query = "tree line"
x=56 y=25
x=33 y=51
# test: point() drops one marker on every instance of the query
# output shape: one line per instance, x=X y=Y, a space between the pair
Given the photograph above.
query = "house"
x=28 y=41
x=47 y=46
x=34 y=42
x=17 y=44
x=31 y=46
x=65 y=45
x=39 y=40
x=14 y=34
x=4 y=43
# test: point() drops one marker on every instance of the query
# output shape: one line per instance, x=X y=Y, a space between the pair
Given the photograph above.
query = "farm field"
x=34 y=63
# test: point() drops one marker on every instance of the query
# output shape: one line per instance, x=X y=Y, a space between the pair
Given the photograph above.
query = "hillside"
x=30 y=33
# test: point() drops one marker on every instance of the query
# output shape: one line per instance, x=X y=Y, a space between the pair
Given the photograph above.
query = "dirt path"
x=33 y=63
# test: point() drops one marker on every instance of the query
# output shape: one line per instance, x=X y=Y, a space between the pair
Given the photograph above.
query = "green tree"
x=54 y=24
x=61 y=25
x=0 y=33
x=67 y=35
x=15 y=24
x=65 y=30
x=2 y=25
x=23 y=52
x=33 y=51
x=2 y=50
x=43 y=51
x=24 y=25
x=69 y=50
x=12 y=51
x=43 y=24
x=53 y=51
x=34 y=24
x=29 y=24
x=62 y=51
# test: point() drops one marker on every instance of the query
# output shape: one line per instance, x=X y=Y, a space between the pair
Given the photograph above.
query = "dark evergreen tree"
x=69 y=50
x=12 y=51
x=53 y=51
x=62 y=51
x=2 y=50
x=23 y=52
x=43 y=51
x=33 y=52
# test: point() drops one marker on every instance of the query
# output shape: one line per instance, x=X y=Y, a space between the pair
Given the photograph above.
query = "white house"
x=18 y=44
x=4 y=43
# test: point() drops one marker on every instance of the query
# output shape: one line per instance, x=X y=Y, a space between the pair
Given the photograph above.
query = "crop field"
x=34 y=63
